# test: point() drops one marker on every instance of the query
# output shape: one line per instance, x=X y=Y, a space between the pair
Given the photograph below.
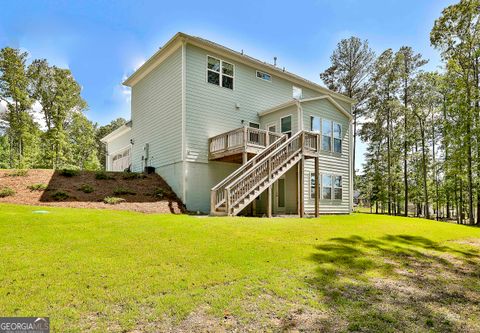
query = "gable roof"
x=180 y=38
x=116 y=133
x=301 y=101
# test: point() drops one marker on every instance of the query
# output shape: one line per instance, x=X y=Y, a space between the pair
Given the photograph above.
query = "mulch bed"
x=144 y=200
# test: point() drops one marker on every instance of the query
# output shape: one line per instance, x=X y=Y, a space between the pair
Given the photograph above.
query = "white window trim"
x=332 y=137
x=291 y=124
x=261 y=78
x=274 y=123
x=220 y=72
x=311 y=191
x=333 y=187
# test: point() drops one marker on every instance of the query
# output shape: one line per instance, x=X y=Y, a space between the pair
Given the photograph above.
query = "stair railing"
x=263 y=170
x=217 y=193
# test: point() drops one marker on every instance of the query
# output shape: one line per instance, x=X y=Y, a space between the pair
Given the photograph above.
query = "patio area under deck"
x=239 y=145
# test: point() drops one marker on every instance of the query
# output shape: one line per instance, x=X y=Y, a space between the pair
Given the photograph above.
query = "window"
x=296 y=92
x=220 y=72
x=254 y=136
x=338 y=188
x=337 y=138
x=253 y=125
x=264 y=76
x=286 y=125
x=326 y=187
x=315 y=124
x=312 y=185
x=326 y=135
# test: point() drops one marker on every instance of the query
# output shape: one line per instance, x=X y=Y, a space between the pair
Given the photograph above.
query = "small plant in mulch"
x=123 y=191
x=161 y=193
x=6 y=192
x=37 y=187
x=60 y=196
x=69 y=172
x=133 y=175
x=113 y=200
x=102 y=175
x=18 y=173
x=85 y=188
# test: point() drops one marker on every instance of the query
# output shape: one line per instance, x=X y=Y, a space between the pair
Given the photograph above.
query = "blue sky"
x=104 y=41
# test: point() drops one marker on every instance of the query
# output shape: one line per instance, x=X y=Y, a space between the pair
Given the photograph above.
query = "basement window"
x=264 y=76
x=220 y=73
x=338 y=188
x=312 y=185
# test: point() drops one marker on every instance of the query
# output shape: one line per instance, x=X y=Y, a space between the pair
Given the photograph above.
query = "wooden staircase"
x=240 y=188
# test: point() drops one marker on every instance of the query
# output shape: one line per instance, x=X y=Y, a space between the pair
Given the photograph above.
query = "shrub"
x=6 y=192
x=113 y=200
x=85 y=188
x=123 y=191
x=161 y=193
x=133 y=175
x=69 y=172
x=102 y=175
x=18 y=173
x=60 y=196
x=37 y=187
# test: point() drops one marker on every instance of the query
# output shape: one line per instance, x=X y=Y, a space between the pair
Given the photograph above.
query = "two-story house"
x=232 y=134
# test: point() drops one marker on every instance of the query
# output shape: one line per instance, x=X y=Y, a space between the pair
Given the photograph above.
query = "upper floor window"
x=253 y=125
x=264 y=76
x=297 y=92
x=315 y=124
x=326 y=135
x=337 y=138
x=286 y=125
x=220 y=73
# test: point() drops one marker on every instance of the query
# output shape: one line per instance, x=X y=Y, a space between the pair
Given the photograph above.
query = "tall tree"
x=21 y=129
x=351 y=64
x=59 y=95
x=409 y=65
x=457 y=35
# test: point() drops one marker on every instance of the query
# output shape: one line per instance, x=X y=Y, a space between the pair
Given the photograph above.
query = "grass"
x=100 y=271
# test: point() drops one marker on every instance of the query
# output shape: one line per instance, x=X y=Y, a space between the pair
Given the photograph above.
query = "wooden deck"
x=241 y=144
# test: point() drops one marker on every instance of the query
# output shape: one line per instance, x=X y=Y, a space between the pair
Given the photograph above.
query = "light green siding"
x=211 y=110
x=157 y=120
x=329 y=163
x=274 y=118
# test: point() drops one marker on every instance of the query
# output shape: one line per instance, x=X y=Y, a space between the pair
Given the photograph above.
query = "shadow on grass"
x=399 y=283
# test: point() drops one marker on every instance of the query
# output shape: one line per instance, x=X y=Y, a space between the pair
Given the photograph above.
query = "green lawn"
x=98 y=270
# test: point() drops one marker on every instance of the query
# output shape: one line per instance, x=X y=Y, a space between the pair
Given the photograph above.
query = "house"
x=235 y=135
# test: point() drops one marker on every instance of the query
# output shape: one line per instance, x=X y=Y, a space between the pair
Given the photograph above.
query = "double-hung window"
x=312 y=185
x=315 y=124
x=286 y=125
x=338 y=188
x=220 y=73
x=326 y=187
x=337 y=138
x=326 y=135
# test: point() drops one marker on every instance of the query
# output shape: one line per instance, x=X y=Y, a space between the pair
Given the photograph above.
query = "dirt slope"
x=149 y=194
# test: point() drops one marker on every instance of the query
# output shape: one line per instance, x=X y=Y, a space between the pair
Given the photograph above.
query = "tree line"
x=43 y=124
x=422 y=128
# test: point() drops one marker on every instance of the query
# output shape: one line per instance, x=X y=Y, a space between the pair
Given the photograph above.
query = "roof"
x=116 y=133
x=306 y=100
x=181 y=37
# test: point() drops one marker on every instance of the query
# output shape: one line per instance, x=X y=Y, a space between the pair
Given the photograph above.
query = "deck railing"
x=239 y=138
